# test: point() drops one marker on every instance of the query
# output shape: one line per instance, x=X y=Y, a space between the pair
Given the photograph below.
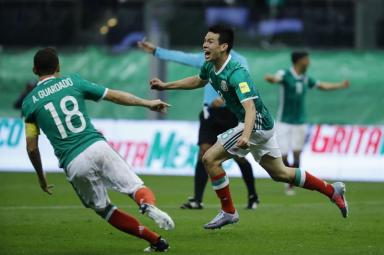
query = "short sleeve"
x=204 y=72
x=27 y=113
x=312 y=82
x=92 y=91
x=279 y=75
x=244 y=86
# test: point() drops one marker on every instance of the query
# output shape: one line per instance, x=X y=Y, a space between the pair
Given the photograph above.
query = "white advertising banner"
x=347 y=152
x=169 y=148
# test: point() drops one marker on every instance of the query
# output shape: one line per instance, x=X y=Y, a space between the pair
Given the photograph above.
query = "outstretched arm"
x=192 y=82
x=333 y=86
x=275 y=78
x=271 y=79
x=124 y=98
x=189 y=59
x=32 y=139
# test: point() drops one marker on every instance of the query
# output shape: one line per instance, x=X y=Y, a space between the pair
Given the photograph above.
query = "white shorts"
x=97 y=169
x=262 y=142
x=291 y=137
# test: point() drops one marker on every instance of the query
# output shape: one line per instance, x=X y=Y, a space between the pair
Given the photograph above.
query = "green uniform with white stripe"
x=57 y=106
x=234 y=84
x=292 y=96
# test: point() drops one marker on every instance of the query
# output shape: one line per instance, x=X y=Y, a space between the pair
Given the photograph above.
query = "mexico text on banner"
x=169 y=148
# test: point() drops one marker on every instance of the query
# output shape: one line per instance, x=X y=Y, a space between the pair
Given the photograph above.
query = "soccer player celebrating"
x=57 y=107
x=291 y=127
x=215 y=118
x=255 y=132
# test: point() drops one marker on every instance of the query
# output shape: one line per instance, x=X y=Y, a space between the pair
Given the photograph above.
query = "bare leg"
x=212 y=160
x=289 y=191
x=279 y=172
x=201 y=176
x=277 y=169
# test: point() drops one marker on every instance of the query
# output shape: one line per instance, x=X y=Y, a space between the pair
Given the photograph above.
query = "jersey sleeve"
x=279 y=76
x=204 y=75
x=244 y=86
x=92 y=91
x=189 y=59
x=312 y=82
x=26 y=112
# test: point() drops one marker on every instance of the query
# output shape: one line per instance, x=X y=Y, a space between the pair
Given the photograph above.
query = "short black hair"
x=46 y=61
x=226 y=35
x=297 y=55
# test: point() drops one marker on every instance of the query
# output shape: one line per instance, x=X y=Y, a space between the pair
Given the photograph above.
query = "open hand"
x=157 y=84
x=44 y=186
x=345 y=84
x=218 y=102
x=146 y=46
x=158 y=106
x=47 y=188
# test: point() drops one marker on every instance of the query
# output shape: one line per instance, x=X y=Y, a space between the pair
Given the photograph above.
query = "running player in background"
x=215 y=118
x=57 y=107
x=291 y=127
x=255 y=132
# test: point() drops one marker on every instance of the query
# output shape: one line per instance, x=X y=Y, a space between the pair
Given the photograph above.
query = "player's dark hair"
x=226 y=35
x=45 y=61
x=297 y=55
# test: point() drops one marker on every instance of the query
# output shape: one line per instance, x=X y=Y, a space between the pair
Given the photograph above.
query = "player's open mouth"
x=207 y=54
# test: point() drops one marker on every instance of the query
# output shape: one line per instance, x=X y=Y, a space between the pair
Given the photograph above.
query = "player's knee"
x=201 y=154
x=202 y=150
x=209 y=160
x=105 y=212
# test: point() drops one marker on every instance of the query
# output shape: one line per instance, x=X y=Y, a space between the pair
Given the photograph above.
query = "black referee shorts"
x=219 y=120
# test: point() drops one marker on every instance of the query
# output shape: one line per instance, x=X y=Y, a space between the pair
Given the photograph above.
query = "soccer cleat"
x=253 y=202
x=161 y=246
x=339 y=199
x=222 y=219
x=162 y=219
x=192 y=204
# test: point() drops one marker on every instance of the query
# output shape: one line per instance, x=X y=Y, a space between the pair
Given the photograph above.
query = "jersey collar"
x=46 y=79
x=224 y=65
x=297 y=76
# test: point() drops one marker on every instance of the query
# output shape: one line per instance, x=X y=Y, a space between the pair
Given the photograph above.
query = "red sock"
x=223 y=193
x=308 y=181
x=144 y=195
x=130 y=225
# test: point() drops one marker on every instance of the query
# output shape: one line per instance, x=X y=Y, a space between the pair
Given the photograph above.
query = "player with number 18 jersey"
x=58 y=106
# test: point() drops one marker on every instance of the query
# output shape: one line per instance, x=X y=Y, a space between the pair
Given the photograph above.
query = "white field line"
x=75 y=207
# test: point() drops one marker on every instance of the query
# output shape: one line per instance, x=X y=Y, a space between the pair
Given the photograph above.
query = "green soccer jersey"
x=234 y=84
x=292 y=96
x=57 y=106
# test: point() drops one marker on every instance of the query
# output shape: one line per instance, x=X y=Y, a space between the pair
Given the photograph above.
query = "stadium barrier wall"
x=129 y=71
x=344 y=152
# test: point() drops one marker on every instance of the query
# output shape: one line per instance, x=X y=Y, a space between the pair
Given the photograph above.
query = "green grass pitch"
x=32 y=222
